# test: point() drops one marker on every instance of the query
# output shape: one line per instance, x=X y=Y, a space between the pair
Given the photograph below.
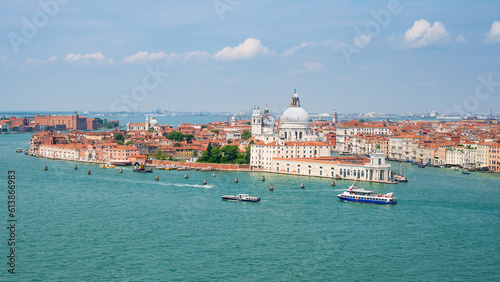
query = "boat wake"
x=164 y=183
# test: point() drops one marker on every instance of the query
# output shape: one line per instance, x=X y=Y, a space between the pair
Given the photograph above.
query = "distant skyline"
x=227 y=56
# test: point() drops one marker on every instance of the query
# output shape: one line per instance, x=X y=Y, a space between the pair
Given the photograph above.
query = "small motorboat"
x=465 y=171
x=19 y=150
x=183 y=168
x=142 y=169
x=107 y=166
x=241 y=198
x=206 y=169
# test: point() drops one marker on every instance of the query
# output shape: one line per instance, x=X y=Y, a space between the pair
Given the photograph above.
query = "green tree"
x=214 y=131
x=129 y=143
x=176 y=136
x=229 y=141
x=189 y=137
x=246 y=134
x=160 y=155
x=203 y=126
x=231 y=152
x=247 y=152
x=215 y=155
x=119 y=138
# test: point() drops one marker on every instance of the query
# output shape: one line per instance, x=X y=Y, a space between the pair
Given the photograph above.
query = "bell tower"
x=256 y=122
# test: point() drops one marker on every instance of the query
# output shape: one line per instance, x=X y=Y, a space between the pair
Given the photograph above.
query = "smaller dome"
x=294 y=114
x=268 y=121
x=153 y=121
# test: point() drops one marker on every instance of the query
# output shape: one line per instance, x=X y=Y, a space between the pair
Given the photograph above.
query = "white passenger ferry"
x=357 y=194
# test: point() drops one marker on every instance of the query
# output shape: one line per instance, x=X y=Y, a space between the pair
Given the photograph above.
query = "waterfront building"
x=295 y=124
x=74 y=122
x=262 y=154
x=347 y=129
x=494 y=157
x=462 y=156
x=345 y=167
x=293 y=139
x=69 y=152
x=147 y=125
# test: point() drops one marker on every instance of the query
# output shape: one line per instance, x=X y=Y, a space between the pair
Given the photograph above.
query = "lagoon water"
x=110 y=226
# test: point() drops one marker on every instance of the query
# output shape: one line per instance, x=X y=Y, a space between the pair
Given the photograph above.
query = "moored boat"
x=358 y=194
x=107 y=165
x=142 y=169
x=400 y=178
x=183 y=168
x=241 y=198
x=465 y=171
x=19 y=150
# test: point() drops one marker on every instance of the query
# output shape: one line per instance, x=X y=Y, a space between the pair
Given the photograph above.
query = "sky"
x=231 y=55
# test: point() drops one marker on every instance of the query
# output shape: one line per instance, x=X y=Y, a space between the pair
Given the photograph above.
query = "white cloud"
x=331 y=43
x=312 y=66
x=72 y=57
x=494 y=33
x=423 y=34
x=50 y=59
x=249 y=49
x=144 y=56
x=461 y=39
x=293 y=49
x=196 y=54
x=362 y=41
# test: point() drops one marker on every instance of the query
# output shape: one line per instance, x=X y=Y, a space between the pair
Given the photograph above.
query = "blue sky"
x=228 y=55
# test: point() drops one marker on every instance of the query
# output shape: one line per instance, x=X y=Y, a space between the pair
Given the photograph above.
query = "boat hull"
x=361 y=200
x=240 y=200
x=142 y=171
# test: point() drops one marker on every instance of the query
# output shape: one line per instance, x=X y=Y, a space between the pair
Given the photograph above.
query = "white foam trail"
x=163 y=183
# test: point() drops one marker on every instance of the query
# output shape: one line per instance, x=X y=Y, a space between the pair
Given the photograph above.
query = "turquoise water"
x=111 y=226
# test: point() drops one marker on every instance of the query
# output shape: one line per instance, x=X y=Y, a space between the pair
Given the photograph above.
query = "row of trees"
x=178 y=136
x=228 y=154
x=105 y=123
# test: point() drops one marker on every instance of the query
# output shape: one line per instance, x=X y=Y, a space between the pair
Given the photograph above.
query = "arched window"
x=285 y=134
x=300 y=135
x=296 y=135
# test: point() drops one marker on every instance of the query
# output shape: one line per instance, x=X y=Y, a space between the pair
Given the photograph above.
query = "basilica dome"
x=153 y=121
x=295 y=114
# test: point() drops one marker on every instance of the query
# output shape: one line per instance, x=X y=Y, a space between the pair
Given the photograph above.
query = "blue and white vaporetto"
x=358 y=194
